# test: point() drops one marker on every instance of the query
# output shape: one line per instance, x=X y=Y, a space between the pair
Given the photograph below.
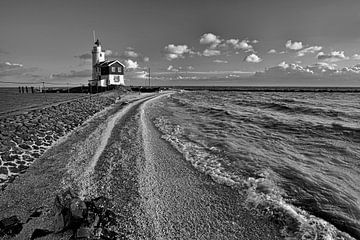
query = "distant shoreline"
x=247 y=88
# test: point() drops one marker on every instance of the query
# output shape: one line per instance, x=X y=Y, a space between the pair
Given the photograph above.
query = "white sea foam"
x=262 y=193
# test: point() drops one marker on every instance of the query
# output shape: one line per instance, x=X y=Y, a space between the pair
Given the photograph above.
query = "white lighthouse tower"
x=98 y=56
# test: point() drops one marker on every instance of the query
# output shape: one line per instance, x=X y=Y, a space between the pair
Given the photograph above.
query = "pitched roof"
x=109 y=63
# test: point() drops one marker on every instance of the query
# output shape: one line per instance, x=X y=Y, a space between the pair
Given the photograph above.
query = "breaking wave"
x=262 y=192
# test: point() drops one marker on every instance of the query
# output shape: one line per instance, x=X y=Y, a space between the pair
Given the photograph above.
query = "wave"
x=262 y=192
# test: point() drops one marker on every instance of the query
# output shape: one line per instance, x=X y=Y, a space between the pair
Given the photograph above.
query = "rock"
x=59 y=222
x=3 y=170
x=83 y=233
x=22 y=168
x=24 y=146
x=35 y=155
x=12 y=164
x=36 y=213
x=40 y=233
x=10 y=226
x=78 y=209
x=14 y=170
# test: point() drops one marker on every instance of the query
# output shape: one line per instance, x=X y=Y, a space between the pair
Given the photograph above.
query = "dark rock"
x=59 y=222
x=62 y=206
x=49 y=138
x=35 y=155
x=83 y=233
x=24 y=146
x=22 y=168
x=35 y=147
x=12 y=164
x=3 y=170
x=40 y=233
x=10 y=226
x=78 y=209
x=14 y=169
x=6 y=157
x=36 y=213
x=11 y=178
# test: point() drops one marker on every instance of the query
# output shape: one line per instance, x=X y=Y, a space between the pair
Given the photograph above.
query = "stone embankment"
x=25 y=137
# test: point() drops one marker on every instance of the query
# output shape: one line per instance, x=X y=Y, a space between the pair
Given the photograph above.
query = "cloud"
x=320 y=70
x=237 y=44
x=356 y=56
x=172 y=68
x=183 y=69
x=14 y=69
x=176 y=51
x=255 y=41
x=333 y=56
x=293 y=45
x=73 y=74
x=283 y=65
x=272 y=51
x=210 y=39
x=131 y=54
x=4 y=66
x=312 y=49
x=130 y=64
x=146 y=59
x=220 y=61
x=253 y=58
x=211 y=52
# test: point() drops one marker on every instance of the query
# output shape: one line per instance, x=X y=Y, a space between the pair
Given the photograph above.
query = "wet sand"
x=155 y=193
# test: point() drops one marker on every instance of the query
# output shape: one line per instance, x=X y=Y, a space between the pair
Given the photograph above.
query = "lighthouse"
x=105 y=73
x=98 y=56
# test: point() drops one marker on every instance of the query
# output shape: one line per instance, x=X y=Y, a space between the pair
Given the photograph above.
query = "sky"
x=187 y=42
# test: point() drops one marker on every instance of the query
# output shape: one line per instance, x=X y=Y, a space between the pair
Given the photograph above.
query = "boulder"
x=10 y=226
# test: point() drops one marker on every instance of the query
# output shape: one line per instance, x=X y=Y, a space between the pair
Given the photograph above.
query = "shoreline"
x=157 y=193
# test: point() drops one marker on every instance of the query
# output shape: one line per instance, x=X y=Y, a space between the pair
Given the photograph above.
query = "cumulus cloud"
x=176 y=51
x=211 y=52
x=312 y=49
x=294 y=45
x=130 y=64
x=220 y=61
x=320 y=70
x=131 y=54
x=283 y=65
x=333 y=56
x=356 y=56
x=210 y=39
x=253 y=58
x=272 y=51
x=73 y=74
x=237 y=44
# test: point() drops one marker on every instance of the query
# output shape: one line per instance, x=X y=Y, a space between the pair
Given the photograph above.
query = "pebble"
x=25 y=137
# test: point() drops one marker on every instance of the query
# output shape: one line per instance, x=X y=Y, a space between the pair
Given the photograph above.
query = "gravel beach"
x=154 y=193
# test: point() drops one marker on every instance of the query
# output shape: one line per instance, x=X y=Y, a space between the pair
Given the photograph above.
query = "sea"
x=294 y=155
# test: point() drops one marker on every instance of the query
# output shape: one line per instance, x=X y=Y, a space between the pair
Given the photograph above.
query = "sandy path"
x=155 y=193
x=184 y=204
